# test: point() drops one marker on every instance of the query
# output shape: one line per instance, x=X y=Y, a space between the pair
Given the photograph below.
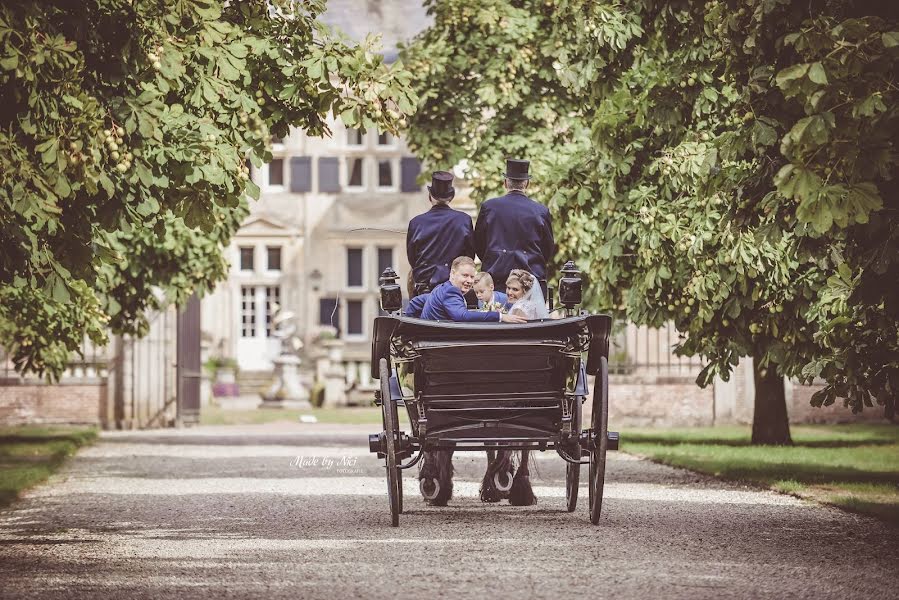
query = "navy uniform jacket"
x=434 y=240
x=446 y=303
x=514 y=232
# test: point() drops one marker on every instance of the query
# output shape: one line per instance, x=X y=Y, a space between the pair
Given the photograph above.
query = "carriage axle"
x=377 y=442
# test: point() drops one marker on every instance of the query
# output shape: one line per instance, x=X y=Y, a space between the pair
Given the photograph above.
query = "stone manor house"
x=331 y=216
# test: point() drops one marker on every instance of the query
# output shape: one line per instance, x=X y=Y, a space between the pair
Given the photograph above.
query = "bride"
x=525 y=295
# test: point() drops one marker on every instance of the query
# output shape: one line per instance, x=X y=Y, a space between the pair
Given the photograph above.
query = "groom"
x=447 y=303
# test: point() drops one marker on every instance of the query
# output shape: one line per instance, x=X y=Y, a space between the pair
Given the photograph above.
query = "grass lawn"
x=29 y=454
x=213 y=415
x=855 y=467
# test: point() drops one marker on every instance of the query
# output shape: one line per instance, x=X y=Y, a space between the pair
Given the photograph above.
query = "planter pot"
x=225 y=383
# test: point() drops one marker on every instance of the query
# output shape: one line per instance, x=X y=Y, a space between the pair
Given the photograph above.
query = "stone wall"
x=672 y=403
x=33 y=402
x=800 y=411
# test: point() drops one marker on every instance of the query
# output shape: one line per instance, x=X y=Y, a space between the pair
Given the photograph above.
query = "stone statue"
x=286 y=386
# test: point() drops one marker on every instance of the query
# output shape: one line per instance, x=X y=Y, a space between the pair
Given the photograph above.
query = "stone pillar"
x=286 y=389
x=725 y=404
x=335 y=374
x=321 y=361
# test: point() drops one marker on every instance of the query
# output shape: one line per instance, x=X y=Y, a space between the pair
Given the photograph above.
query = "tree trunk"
x=770 y=424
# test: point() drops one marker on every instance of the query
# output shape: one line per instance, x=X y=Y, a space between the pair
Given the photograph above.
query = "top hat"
x=516 y=169
x=441 y=187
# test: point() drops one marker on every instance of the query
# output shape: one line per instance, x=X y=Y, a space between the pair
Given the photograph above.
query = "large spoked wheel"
x=399 y=472
x=573 y=472
x=388 y=410
x=600 y=422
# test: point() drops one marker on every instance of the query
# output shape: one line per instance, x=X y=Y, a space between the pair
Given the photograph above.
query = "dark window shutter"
x=328 y=175
x=276 y=172
x=410 y=167
x=325 y=309
x=354 y=267
x=246 y=258
x=274 y=257
x=300 y=174
x=385 y=259
x=354 y=317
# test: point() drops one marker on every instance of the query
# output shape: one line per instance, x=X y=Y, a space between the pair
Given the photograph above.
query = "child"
x=487 y=298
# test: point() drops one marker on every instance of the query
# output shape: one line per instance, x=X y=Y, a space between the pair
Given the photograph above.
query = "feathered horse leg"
x=435 y=477
x=521 y=493
x=498 y=477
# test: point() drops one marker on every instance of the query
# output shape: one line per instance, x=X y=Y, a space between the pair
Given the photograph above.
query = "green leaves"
x=801 y=79
x=797 y=182
x=716 y=159
x=816 y=73
x=808 y=133
x=123 y=160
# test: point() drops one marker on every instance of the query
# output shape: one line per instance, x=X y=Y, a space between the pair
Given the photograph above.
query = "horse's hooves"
x=430 y=488
x=503 y=486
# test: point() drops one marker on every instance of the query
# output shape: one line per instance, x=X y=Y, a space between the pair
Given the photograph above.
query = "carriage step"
x=588 y=440
x=612 y=437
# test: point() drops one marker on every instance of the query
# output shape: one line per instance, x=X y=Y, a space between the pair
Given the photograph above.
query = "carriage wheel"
x=393 y=481
x=572 y=479
x=573 y=472
x=600 y=421
x=399 y=472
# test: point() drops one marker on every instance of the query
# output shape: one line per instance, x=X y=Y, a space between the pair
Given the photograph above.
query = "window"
x=354 y=172
x=354 y=317
x=385 y=259
x=328 y=308
x=328 y=174
x=274 y=257
x=385 y=139
x=276 y=172
x=385 y=173
x=247 y=311
x=410 y=168
x=246 y=258
x=354 y=267
x=354 y=137
x=272 y=304
x=300 y=174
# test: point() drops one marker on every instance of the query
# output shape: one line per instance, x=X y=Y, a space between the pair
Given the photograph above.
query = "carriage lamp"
x=391 y=295
x=570 y=286
x=316 y=278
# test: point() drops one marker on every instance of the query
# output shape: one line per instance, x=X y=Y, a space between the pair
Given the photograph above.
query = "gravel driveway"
x=300 y=511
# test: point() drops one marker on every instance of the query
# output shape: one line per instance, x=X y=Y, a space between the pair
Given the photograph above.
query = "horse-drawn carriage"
x=490 y=387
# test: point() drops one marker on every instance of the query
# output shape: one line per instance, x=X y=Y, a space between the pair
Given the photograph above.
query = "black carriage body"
x=470 y=386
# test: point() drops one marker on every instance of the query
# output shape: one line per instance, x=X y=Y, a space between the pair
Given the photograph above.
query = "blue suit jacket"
x=446 y=303
x=497 y=297
x=416 y=305
x=514 y=232
x=434 y=240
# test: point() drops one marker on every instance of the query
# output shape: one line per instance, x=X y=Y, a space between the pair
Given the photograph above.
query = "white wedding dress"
x=531 y=306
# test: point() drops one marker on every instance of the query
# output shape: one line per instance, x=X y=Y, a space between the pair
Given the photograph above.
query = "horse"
x=501 y=480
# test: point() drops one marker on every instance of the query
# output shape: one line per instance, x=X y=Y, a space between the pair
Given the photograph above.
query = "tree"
x=126 y=127
x=723 y=165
